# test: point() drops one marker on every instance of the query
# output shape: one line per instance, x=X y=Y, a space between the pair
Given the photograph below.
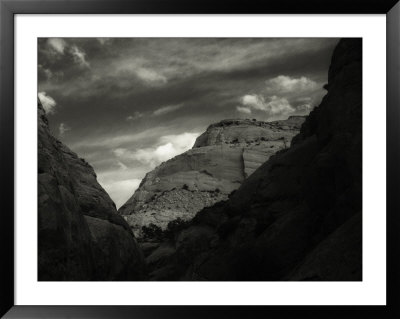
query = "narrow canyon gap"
x=270 y=193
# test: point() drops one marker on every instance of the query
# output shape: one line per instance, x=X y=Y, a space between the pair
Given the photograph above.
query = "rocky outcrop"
x=221 y=158
x=298 y=216
x=80 y=234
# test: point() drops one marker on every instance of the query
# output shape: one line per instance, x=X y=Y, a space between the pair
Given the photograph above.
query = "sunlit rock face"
x=80 y=234
x=221 y=158
x=299 y=215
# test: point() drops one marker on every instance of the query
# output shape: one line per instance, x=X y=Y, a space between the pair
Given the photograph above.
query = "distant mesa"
x=221 y=158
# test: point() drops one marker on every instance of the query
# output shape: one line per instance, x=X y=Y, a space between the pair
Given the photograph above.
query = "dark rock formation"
x=80 y=234
x=298 y=216
x=222 y=157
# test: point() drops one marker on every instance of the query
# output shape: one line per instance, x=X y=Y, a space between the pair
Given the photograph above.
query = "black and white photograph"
x=199 y=159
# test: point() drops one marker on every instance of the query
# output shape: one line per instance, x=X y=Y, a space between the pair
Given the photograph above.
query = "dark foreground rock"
x=298 y=216
x=80 y=234
x=221 y=159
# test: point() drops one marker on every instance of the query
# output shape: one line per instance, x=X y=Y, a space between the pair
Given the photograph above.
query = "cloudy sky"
x=126 y=105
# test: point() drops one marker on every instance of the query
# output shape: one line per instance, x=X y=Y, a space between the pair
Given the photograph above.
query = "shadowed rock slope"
x=298 y=216
x=222 y=157
x=80 y=234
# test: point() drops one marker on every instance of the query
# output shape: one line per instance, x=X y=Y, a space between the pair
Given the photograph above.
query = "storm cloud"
x=126 y=105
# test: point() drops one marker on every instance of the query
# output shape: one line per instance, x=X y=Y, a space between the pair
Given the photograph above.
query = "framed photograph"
x=174 y=159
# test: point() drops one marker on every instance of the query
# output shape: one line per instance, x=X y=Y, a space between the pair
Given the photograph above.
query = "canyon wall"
x=80 y=235
x=299 y=215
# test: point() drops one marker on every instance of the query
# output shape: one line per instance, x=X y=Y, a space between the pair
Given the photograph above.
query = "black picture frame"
x=9 y=8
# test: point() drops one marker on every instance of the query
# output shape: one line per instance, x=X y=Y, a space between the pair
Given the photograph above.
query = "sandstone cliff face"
x=222 y=157
x=80 y=234
x=298 y=216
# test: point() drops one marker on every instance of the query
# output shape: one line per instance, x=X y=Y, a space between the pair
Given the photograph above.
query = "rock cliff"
x=298 y=216
x=221 y=158
x=80 y=234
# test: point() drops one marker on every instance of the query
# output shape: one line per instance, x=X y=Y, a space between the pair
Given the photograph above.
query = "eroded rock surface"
x=298 y=216
x=80 y=234
x=222 y=157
